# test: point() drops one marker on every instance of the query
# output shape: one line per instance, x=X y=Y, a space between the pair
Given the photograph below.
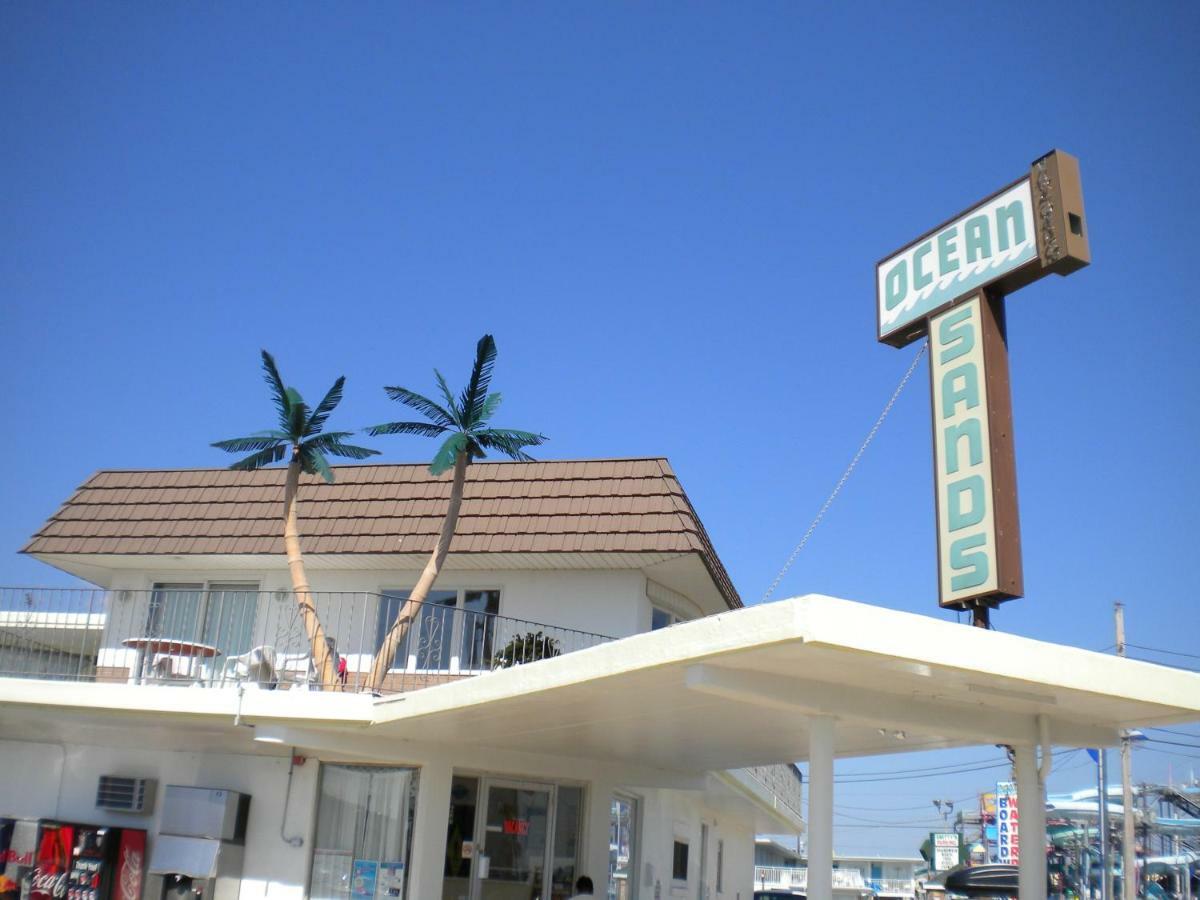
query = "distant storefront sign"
x=946 y=850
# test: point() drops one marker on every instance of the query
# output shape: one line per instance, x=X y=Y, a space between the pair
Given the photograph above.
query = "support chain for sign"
x=846 y=475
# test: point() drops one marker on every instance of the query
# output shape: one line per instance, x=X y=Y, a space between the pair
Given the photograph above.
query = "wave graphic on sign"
x=958 y=283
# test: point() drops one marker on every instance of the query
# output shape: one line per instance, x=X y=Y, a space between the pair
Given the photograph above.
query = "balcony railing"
x=796 y=878
x=220 y=636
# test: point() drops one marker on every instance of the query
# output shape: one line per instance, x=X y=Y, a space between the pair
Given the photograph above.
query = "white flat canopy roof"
x=736 y=689
x=726 y=691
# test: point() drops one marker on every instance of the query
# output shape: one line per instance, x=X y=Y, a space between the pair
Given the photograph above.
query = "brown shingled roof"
x=608 y=505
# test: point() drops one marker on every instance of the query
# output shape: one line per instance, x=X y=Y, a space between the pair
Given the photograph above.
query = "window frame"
x=457 y=615
x=409 y=827
x=635 y=836
x=676 y=882
x=673 y=618
x=205 y=589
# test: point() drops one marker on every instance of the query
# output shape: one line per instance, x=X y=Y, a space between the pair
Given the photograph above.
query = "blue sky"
x=669 y=217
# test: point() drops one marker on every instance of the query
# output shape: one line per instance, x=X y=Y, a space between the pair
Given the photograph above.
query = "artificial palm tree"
x=465 y=423
x=298 y=438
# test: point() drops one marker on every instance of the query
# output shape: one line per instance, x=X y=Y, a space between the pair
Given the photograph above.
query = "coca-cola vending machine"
x=88 y=862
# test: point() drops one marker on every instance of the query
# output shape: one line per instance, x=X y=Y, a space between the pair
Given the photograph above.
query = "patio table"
x=149 y=647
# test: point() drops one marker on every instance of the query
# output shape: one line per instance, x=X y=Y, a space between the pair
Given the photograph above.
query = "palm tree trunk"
x=321 y=656
x=391 y=643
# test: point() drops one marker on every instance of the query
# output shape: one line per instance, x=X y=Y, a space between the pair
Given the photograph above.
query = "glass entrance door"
x=513 y=837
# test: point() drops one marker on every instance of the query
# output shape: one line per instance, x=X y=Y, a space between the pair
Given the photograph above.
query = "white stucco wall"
x=59 y=781
x=678 y=815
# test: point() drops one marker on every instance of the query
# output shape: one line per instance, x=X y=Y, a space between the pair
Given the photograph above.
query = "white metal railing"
x=892 y=887
x=796 y=878
x=214 y=636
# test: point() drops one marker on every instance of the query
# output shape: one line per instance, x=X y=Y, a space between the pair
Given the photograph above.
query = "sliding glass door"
x=509 y=839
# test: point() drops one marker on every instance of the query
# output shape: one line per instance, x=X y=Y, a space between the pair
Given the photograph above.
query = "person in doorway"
x=583 y=887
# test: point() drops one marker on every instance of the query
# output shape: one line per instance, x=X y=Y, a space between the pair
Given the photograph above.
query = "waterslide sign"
x=1008 y=824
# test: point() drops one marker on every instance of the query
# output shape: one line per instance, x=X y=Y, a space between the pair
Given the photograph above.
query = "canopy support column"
x=429 y=830
x=820 y=808
x=1031 y=811
x=599 y=818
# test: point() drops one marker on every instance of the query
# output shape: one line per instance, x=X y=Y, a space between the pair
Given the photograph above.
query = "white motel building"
x=582 y=693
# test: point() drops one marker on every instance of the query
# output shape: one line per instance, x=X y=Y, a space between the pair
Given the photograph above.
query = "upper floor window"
x=662 y=618
x=454 y=630
x=217 y=614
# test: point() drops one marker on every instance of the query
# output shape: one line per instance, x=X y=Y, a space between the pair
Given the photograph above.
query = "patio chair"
x=256 y=666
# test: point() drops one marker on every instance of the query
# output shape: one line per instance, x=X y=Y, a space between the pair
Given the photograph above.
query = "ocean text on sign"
x=989 y=241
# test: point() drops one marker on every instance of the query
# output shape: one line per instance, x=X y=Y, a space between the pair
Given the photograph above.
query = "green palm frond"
x=247 y=444
x=298 y=411
x=262 y=458
x=332 y=443
x=456 y=414
x=473 y=396
x=296 y=424
x=510 y=442
x=424 y=429
x=317 y=420
x=448 y=451
x=421 y=404
x=490 y=403
x=278 y=392
x=466 y=417
x=313 y=462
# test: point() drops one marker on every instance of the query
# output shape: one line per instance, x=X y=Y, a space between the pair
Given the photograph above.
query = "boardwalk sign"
x=1008 y=824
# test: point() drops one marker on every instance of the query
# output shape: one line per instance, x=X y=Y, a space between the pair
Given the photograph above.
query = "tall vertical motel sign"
x=950 y=284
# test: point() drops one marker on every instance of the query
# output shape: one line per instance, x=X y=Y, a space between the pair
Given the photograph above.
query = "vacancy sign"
x=1008 y=824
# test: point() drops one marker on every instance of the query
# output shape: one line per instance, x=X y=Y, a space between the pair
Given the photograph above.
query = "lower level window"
x=622 y=848
x=364 y=832
x=679 y=862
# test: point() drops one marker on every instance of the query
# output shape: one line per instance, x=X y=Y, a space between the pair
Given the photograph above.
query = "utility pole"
x=1129 y=882
x=1102 y=801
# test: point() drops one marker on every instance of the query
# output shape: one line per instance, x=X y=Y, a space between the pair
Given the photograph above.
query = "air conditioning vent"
x=129 y=795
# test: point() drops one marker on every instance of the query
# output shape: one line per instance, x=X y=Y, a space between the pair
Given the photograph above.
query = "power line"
x=846 y=475
x=899 y=808
x=911 y=821
x=1160 y=650
x=972 y=762
x=1138 y=746
x=999 y=765
x=935 y=771
x=1172 y=731
x=1174 y=743
x=1159 y=662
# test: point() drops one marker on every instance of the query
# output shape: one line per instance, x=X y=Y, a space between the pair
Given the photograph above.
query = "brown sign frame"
x=1061 y=240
